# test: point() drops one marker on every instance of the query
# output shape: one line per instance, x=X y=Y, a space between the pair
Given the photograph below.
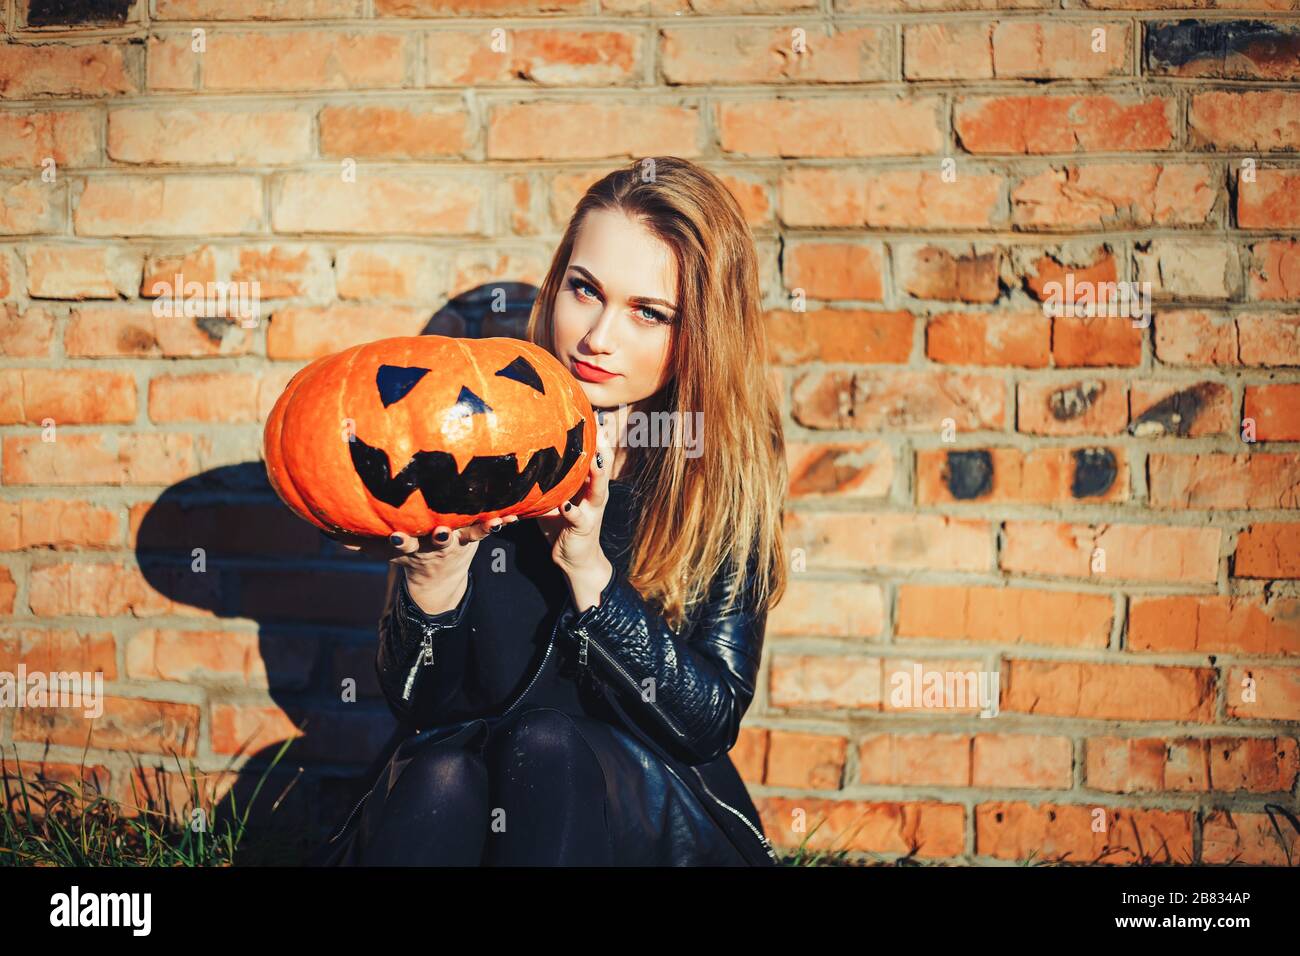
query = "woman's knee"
x=446 y=772
x=543 y=737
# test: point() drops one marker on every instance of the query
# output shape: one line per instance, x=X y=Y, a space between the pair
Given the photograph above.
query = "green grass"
x=47 y=822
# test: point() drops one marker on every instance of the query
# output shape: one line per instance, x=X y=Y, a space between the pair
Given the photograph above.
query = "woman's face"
x=616 y=308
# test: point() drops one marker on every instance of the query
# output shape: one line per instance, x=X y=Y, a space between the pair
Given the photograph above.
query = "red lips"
x=589 y=373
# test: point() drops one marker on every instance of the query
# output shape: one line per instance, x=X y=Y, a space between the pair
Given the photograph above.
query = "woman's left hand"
x=574 y=535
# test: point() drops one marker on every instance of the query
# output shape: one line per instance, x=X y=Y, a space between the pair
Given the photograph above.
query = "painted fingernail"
x=568 y=505
x=497 y=527
x=600 y=460
x=600 y=416
x=442 y=535
x=395 y=538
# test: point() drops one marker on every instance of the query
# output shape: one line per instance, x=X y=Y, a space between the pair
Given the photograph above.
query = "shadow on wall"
x=315 y=607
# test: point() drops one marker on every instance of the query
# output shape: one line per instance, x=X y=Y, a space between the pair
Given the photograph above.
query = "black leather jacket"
x=681 y=694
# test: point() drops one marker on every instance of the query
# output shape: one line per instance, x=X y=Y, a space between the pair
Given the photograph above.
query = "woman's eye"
x=577 y=285
x=652 y=314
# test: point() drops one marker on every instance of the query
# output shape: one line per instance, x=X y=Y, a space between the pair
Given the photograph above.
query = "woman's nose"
x=600 y=335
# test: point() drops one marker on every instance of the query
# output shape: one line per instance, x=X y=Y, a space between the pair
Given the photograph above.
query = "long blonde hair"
x=724 y=508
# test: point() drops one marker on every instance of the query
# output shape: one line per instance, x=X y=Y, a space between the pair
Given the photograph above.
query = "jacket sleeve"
x=421 y=657
x=688 y=692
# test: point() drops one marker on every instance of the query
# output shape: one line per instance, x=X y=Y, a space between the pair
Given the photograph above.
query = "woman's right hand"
x=426 y=559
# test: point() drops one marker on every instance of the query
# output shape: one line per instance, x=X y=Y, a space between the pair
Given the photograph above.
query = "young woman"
x=572 y=687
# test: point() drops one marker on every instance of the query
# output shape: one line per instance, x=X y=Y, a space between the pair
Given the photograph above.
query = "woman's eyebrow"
x=650 y=300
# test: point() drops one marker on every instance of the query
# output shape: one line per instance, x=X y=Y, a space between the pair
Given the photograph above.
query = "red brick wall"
x=1067 y=502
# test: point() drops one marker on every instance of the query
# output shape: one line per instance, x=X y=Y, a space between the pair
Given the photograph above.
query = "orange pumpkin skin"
x=409 y=433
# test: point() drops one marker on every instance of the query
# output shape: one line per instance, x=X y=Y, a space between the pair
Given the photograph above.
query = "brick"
x=209 y=137
x=831 y=128
x=552 y=131
x=1085 y=407
x=257 y=10
x=807 y=761
x=1161 y=409
x=393 y=132
x=1262 y=120
x=1078 y=268
x=168 y=206
x=1215 y=624
x=829 y=608
x=855 y=542
x=100 y=459
x=1273 y=270
x=723 y=54
x=1065 y=833
x=282 y=271
x=131 y=724
x=946 y=687
x=1022 y=48
x=1040 y=476
x=1195 y=337
x=1063 y=124
x=389 y=273
x=1094 y=341
x=824 y=681
x=1276 y=692
x=68 y=396
x=905 y=401
x=1131 y=552
x=999 y=615
x=56 y=69
x=1189 y=268
x=29 y=206
x=1024 y=761
x=69 y=137
x=1272 y=201
x=915 y=760
x=1268 y=550
x=170 y=63
x=57 y=523
x=948 y=51
x=309 y=333
x=1275 y=410
x=345 y=597
x=58 y=649
x=951 y=274
x=135 y=332
x=1110 y=691
x=82 y=272
x=900 y=199
x=1116 y=194
x=1219 y=481
x=25 y=333
x=1246 y=839
x=311 y=60
x=1226 y=49
x=476 y=8
x=839 y=469
x=206 y=656
x=537 y=58
x=227 y=397
x=378 y=204
x=831 y=270
x=1017 y=338
x=840 y=335
x=928 y=830
x=226 y=528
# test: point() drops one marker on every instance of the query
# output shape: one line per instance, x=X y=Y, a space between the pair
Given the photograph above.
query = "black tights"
x=535 y=797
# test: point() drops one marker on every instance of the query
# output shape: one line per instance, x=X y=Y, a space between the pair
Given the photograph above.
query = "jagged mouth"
x=488 y=483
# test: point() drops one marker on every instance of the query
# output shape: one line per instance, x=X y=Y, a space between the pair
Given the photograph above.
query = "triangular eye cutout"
x=521 y=371
x=467 y=403
x=394 y=381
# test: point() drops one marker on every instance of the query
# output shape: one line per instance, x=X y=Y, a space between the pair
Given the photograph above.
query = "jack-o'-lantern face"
x=409 y=433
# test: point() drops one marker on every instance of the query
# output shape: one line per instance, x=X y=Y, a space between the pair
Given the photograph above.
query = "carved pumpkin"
x=408 y=433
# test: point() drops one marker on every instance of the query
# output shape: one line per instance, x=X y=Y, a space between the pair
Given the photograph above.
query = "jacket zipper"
x=424 y=658
x=582 y=657
x=743 y=819
x=631 y=681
